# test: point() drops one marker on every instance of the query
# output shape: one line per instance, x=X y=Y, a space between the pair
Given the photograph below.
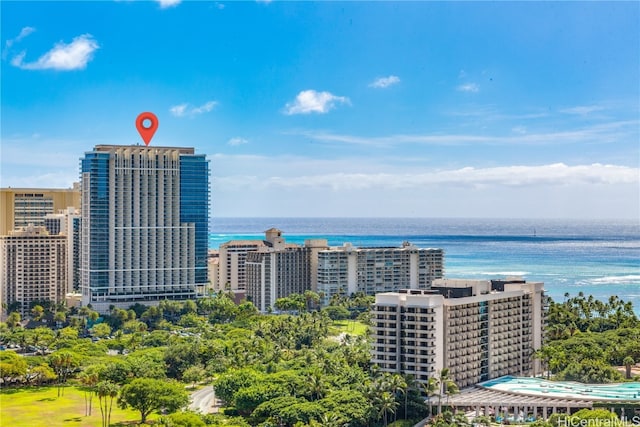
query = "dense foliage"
x=586 y=338
x=288 y=369
x=292 y=368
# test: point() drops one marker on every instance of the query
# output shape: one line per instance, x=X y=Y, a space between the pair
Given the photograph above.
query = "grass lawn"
x=351 y=327
x=40 y=406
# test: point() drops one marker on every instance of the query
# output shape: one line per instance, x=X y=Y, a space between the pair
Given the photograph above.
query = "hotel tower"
x=144 y=232
x=479 y=329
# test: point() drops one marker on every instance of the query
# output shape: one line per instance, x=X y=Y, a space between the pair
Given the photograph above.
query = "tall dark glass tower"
x=144 y=233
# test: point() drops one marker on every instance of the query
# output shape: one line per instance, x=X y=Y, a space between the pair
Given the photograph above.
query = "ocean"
x=596 y=257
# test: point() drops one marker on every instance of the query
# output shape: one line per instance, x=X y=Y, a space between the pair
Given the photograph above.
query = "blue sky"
x=411 y=109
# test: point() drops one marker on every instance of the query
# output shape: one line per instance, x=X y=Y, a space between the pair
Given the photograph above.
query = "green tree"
x=221 y=308
x=14 y=319
x=247 y=399
x=446 y=386
x=350 y=405
x=316 y=385
x=60 y=317
x=230 y=382
x=63 y=363
x=107 y=392
x=42 y=338
x=189 y=306
x=88 y=379
x=148 y=395
x=180 y=356
x=12 y=366
x=336 y=312
x=193 y=374
x=312 y=299
x=101 y=330
x=147 y=363
x=386 y=403
x=37 y=312
x=183 y=419
x=41 y=373
x=590 y=371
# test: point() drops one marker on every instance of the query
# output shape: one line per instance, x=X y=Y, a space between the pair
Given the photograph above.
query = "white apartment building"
x=33 y=268
x=479 y=329
x=346 y=270
x=281 y=269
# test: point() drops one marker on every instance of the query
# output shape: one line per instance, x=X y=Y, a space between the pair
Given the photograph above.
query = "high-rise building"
x=67 y=223
x=24 y=206
x=478 y=329
x=144 y=232
x=33 y=268
x=279 y=269
x=346 y=270
x=231 y=264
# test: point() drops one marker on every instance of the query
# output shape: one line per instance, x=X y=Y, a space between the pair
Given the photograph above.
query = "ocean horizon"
x=596 y=257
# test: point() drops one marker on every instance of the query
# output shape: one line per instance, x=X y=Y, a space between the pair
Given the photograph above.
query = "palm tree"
x=387 y=403
x=628 y=362
x=88 y=378
x=316 y=385
x=447 y=386
x=330 y=420
x=108 y=391
x=63 y=363
x=397 y=384
x=410 y=385
x=451 y=388
x=37 y=312
x=60 y=317
x=430 y=388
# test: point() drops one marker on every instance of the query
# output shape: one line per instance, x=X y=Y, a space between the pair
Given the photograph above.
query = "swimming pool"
x=542 y=387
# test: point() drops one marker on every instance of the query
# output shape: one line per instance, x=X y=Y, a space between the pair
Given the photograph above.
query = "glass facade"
x=95 y=183
x=194 y=207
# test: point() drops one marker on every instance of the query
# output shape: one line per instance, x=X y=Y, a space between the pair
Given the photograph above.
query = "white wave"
x=504 y=273
x=615 y=279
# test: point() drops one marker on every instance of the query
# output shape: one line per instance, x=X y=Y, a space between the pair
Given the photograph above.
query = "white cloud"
x=165 y=4
x=521 y=130
x=185 y=110
x=557 y=175
x=601 y=133
x=23 y=33
x=204 y=108
x=310 y=101
x=62 y=57
x=237 y=141
x=383 y=82
x=178 y=110
x=582 y=110
x=468 y=87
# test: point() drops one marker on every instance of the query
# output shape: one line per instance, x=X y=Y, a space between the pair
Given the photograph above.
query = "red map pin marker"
x=147 y=132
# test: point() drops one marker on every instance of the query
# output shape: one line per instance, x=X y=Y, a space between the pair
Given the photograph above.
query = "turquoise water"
x=599 y=258
x=539 y=386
